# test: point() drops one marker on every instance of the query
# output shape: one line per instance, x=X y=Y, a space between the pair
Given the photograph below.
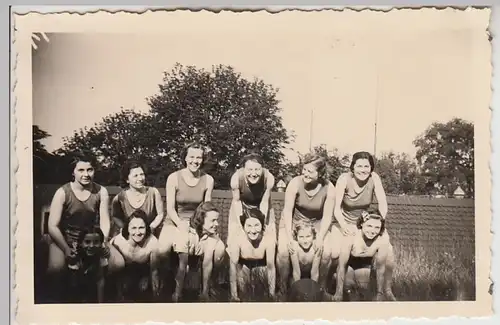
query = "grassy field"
x=424 y=272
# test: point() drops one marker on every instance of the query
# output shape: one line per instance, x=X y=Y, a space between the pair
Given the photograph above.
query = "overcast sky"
x=424 y=74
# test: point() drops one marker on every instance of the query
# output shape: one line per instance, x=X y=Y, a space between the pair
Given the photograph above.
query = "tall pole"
x=311 y=129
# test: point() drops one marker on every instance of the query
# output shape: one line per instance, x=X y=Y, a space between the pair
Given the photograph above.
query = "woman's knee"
x=282 y=249
x=116 y=260
x=57 y=259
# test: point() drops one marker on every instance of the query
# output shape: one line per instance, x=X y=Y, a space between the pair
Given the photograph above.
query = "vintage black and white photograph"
x=252 y=161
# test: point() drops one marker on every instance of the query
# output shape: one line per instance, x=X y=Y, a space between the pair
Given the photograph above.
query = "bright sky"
x=425 y=74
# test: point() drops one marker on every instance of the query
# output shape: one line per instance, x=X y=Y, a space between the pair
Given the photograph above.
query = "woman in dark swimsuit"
x=250 y=252
x=251 y=187
x=186 y=189
x=309 y=197
x=360 y=252
x=76 y=206
x=137 y=196
x=355 y=191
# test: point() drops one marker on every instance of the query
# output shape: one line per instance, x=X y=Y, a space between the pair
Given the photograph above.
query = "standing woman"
x=186 y=189
x=309 y=197
x=355 y=190
x=251 y=187
x=76 y=207
x=137 y=196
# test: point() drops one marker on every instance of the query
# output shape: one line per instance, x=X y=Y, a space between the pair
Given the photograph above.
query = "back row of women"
x=321 y=225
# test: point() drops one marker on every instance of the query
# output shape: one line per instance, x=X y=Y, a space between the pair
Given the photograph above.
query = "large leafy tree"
x=445 y=152
x=399 y=173
x=228 y=113
x=220 y=108
x=119 y=137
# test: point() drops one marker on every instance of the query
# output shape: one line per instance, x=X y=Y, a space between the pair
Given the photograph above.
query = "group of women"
x=323 y=228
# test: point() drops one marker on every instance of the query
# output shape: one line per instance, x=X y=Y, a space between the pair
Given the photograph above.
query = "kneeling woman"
x=205 y=243
x=367 y=249
x=140 y=252
x=253 y=250
x=305 y=261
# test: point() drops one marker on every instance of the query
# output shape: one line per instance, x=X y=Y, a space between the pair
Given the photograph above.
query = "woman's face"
x=362 y=169
x=211 y=222
x=137 y=230
x=253 y=228
x=194 y=159
x=136 y=178
x=253 y=171
x=83 y=172
x=305 y=237
x=91 y=244
x=309 y=173
x=371 y=228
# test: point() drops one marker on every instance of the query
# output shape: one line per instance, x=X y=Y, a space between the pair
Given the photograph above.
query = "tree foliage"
x=399 y=173
x=219 y=108
x=445 y=152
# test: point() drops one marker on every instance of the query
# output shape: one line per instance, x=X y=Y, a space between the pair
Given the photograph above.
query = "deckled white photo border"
x=139 y=313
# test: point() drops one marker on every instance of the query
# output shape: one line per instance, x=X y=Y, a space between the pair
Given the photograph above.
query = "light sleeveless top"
x=122 y=209
x=187 y=198
x=354 y=203
x=79 y=215
x=309 y=208
x=251 y=194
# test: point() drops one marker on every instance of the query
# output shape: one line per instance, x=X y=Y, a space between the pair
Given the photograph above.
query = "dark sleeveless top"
x=251 y=262
x=187 y=198
x=353 y=204
x=79 y=215
x=122 y=209
x=309 y=208
x=251 y=194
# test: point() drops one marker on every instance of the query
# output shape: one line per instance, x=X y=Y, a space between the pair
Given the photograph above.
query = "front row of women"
x=309 y=238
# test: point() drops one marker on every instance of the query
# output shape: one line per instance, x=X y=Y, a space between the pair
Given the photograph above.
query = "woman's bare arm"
x=345 y=253
x=328 y=208
x=315 y=267
x=294 y=258
x=104 y=219
x=159 y=210
x=155 y=277
x=233 y=272
x=171 y=188
x=117 y=212
x=266 y=197
x=380 y=194
x=208 y=264
x=210 y=188
x=271 y=268
x=55 y=214
x=290 y=195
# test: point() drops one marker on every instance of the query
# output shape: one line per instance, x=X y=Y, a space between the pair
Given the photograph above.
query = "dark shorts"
x=360 y=262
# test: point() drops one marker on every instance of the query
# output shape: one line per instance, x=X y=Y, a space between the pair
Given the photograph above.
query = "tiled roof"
x=410 y=219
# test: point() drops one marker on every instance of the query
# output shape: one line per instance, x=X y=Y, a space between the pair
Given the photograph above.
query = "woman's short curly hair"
x=371 y=214
x=138 y=214
x=319 y=163
x=303 y=225
x=200 y=213
x=362 y=155
x=125 y=171
x=253 y=213
x=195 y=145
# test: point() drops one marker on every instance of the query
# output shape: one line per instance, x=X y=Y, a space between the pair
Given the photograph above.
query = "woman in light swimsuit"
x=360 y=252
x=252 y=251
x=355 y=190
x=204 y=242
x=76 y=206
x=140 y=250
x=137 y=196
x=309 y=197
x=186 y=189
x=251 y=187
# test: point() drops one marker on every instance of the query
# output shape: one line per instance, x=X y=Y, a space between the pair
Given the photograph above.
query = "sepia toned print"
x=311 y=168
